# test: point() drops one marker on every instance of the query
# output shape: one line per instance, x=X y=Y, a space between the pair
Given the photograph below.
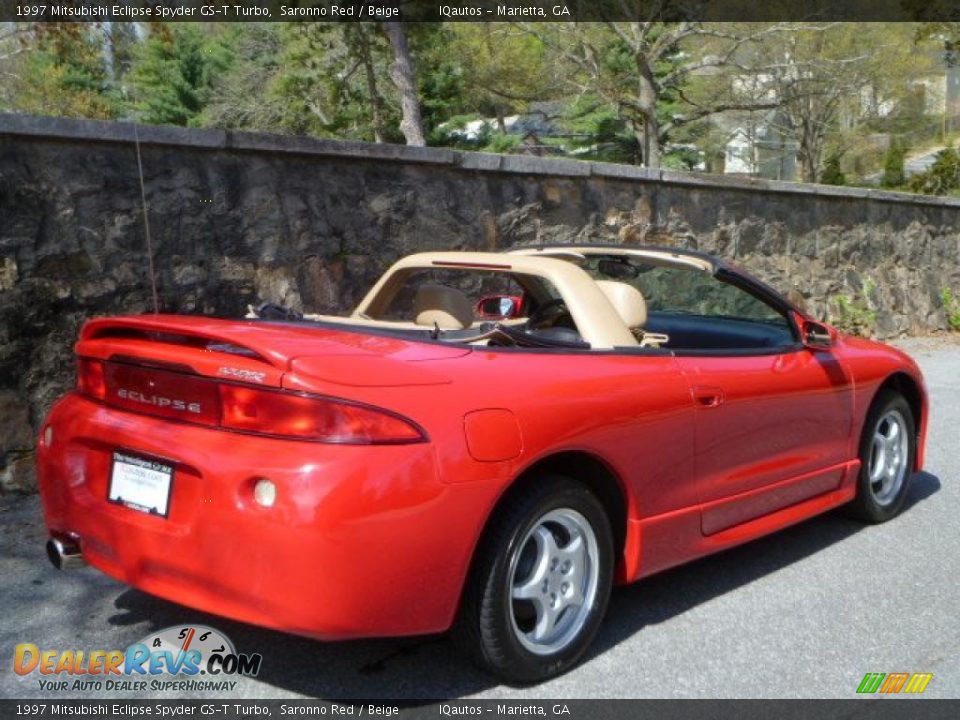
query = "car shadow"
x=429 y=667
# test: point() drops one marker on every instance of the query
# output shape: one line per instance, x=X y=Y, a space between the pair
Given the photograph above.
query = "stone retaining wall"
x=240 y=218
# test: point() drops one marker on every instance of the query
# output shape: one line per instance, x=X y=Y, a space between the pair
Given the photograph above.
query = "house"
x=758 y=146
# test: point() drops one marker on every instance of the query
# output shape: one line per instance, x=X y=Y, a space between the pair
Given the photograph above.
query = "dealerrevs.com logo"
x=198 y=656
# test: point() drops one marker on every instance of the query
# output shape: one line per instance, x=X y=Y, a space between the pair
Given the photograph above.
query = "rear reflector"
x=90 y=378
x=241 y=408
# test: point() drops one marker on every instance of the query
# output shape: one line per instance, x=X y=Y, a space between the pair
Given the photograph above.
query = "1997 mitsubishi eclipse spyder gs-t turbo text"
x=487 y=443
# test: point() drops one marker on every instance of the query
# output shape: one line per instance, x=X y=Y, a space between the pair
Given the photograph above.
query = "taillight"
x=310 y=418
x=240 y=408
x=90 y=380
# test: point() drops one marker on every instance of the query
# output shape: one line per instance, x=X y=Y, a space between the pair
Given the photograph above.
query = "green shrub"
x=831 y=173
x=855 y=314
x=951 y=306
x=942 y=177
x=501 y=143
x=893 y=175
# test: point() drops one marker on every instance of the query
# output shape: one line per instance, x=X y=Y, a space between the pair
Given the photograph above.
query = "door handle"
x=707 y=397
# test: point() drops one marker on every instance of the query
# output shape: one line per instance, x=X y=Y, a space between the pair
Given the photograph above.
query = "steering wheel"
x=549 y=315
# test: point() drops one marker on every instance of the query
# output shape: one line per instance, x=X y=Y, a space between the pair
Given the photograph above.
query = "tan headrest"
x=628 y=302
x=441 y=305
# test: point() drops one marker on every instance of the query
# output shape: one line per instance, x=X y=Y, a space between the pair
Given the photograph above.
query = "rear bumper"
x=362 y=541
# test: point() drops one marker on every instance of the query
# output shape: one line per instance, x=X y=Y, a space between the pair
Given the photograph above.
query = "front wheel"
x=540 y=586
x=887 y=451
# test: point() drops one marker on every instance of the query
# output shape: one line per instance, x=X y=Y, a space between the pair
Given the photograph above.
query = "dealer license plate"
x=140 y=483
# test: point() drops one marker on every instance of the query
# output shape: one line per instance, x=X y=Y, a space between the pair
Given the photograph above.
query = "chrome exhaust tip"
x=64 y=553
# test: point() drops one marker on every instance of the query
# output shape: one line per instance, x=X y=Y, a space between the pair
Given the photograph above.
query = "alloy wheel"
x=554 y=575
x=889 y=453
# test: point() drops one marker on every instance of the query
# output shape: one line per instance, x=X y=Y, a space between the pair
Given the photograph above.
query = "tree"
x=118 y=44
x=363 y=39
x=404 y=77
x=10 y=34
x=11 y=50
x=893 y=173
x=598 y=132
x=504 y=68
x=442 y=76
x=173 y=73
x=243 y=96
x=946 y=33
x=60 y=71
x=830 y=78
x=831 y=173
x=641 y=68
x=330 y=81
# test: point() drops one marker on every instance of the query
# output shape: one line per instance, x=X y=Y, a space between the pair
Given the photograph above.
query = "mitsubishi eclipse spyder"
x=486 y=445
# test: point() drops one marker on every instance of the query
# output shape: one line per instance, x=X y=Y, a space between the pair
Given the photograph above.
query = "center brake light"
x=242 y=408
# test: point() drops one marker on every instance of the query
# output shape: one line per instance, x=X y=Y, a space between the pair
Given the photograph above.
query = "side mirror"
x=499 y=306
x=816 y=335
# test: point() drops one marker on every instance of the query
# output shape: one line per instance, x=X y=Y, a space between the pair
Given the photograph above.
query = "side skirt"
x=674 y=538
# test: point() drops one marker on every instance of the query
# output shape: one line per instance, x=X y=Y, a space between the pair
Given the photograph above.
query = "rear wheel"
x=541 y=583
x=887 y=451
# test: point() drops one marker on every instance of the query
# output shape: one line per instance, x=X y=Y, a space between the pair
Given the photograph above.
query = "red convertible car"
x=486 y=444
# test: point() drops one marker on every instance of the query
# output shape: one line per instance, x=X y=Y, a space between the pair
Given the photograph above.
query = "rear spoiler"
x=250 y=339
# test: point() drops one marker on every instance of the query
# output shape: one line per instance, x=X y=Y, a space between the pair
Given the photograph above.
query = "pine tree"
x=173 y=72
x=831 y=173
x=893 y=172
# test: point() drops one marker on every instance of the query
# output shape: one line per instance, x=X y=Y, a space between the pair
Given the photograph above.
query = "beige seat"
x=632 y=308
x=442 y=306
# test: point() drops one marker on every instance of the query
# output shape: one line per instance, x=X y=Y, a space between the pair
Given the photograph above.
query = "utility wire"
x=146 y=223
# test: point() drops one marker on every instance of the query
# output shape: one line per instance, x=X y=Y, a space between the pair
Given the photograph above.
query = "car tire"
x=540 y=583
x=888 y=448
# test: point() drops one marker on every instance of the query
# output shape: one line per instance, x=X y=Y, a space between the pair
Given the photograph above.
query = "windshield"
x=683 y=290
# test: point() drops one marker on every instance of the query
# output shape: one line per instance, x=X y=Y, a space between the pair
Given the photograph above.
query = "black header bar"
x=475 y=10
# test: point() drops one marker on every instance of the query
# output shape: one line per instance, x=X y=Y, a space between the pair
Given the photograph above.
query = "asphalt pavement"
x=803 y=613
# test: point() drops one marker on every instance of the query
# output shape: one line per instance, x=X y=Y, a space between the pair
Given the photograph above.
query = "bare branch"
x=345 y=76
x=549 y=43
x=727 y=58
x=670 y=37
x=630 y=42
x=700 y=112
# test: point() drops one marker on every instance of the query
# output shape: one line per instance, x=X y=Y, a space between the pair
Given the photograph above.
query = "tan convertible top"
x=596 y=318
x=598 y=321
